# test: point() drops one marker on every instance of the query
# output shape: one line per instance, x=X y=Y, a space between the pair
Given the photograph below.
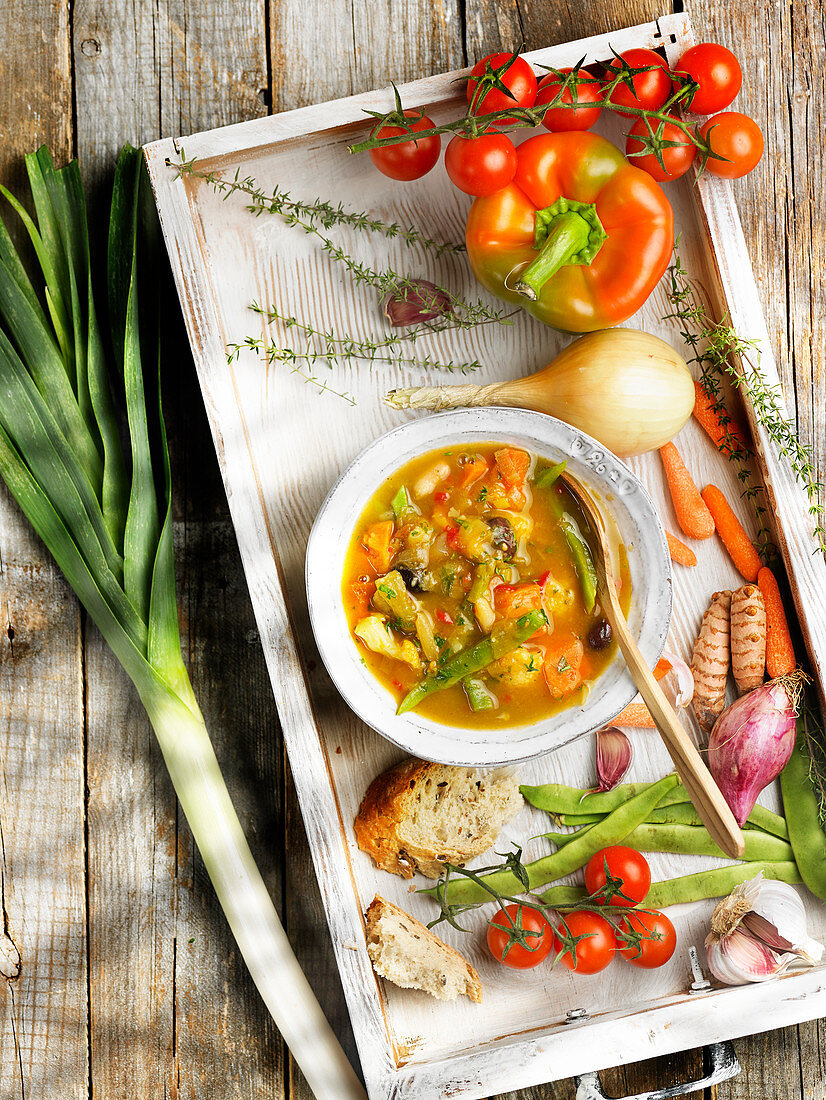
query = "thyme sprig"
x=299 y=212
x=336 y=348
x=811 y=725
x=298 y=367
x=471 y=124
x=347 y=349
x=722 y=354
x=328 y=347
x=512 y=861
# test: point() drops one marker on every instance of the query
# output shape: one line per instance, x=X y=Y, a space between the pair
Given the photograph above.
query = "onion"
x=628 y=389
x=752 y=741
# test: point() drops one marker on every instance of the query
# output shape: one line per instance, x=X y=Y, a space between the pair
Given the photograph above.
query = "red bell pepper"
x=580 y=238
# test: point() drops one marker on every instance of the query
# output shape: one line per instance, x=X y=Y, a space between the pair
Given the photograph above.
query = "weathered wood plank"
x=785 y=227
x=529 y=24
x=158 y=941
x=365 y=45
x=43 y=1014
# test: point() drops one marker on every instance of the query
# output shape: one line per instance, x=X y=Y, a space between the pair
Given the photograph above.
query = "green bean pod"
x=476 y=658
x=692 y=840
x=557 y=798
x=683 y=813
x=613 y=829
x=685 y=888
x=803 y=817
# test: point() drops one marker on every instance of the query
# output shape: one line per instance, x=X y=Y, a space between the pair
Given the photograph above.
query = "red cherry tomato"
x=538 y=934
x=620 y=864
x=560 y=119
x=718 y=73
x=651 y=89
x=481 y=165
x=409 y=160
x=736 y=137
x=676 y=158
x=519 y=78
x=594 y=951
x=658 y=940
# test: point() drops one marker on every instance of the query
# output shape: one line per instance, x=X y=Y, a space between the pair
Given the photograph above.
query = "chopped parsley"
x=440 y=641
x=483 y=494
x=562 y=665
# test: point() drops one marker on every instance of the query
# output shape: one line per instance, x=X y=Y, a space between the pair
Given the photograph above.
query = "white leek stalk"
x=104 y=512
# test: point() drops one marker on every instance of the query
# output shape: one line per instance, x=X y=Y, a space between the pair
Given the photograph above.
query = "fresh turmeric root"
x=710 y=660
x=748 y=637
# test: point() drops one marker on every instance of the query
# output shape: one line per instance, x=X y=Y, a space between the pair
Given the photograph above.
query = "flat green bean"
x=803 y=817
x=556 y=798
x=685 y=888
x=692 y=840
x=611 y=830
x=683 y=813
x=576 y=820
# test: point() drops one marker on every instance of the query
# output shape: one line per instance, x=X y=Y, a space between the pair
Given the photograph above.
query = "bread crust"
x=383 y=823
x=380 y=906
x=381 y=808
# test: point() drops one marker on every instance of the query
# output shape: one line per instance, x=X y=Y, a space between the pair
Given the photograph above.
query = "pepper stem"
x=568 y=232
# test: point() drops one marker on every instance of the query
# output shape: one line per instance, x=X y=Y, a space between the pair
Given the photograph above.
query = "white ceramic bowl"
x=610 y=481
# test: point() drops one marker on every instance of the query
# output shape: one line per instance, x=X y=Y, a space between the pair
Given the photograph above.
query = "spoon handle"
x=713 y=809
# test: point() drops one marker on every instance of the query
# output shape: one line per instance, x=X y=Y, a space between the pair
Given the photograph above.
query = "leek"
x=103 y=509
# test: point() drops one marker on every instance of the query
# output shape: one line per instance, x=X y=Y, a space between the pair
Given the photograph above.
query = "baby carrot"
x=679 y=552
x=692 y=514
x=723 y=431
x=740 y=547
x=780 y=659
x=635 y=716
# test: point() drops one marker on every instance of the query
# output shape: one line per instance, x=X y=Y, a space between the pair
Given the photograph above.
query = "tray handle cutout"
x=719 y=1064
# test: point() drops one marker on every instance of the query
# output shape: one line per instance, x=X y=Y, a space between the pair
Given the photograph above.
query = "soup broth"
x=469 y=589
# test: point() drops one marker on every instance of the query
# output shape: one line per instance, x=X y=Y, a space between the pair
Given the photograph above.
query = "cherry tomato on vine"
x=561 y=119
x=651 y=89
x=646 y=939
x=519 y=78
x=718 y=73
x=676 y=158
x=736 y=137
x=481 y=165
x=596 y=947
x=538 y=934
x=623 y=870
x=409 y=160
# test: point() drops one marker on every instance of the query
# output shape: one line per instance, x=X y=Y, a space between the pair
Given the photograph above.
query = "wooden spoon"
x=713 y=809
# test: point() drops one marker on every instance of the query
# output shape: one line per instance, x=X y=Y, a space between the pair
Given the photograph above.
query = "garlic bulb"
x=757 y=932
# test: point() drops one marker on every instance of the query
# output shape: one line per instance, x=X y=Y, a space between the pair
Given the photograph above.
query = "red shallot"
x=752 y=740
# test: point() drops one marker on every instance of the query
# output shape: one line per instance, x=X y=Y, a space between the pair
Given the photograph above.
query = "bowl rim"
x=364 y=693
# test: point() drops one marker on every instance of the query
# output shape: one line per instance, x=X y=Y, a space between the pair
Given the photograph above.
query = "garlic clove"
x=738 y=959
x=758 y=931
x=415 y=302
x=678 y=682
x=613 y=757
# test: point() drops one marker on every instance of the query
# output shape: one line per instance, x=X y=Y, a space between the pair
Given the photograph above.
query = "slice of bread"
x=417 y=816
x=407 y=953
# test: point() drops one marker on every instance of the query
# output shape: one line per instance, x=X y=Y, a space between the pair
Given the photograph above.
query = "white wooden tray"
x=281 y=447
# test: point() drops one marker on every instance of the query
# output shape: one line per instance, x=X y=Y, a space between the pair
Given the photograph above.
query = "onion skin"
x=751 y=743
x=628 y=389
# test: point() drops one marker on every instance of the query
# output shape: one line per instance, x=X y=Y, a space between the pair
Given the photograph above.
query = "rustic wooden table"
x=131 y=986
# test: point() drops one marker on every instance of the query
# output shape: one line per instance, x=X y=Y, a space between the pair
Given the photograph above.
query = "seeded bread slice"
x=417 y=816
x=406 y=953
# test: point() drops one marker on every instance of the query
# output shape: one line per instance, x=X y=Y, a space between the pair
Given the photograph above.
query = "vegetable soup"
x=470 y=590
